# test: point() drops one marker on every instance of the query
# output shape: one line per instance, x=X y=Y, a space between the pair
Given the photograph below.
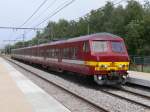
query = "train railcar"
x=102 y=56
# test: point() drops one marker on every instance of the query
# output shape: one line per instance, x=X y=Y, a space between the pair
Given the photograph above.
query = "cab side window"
x=86 y=47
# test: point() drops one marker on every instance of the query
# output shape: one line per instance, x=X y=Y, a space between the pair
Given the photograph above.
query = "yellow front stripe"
x=108 y=65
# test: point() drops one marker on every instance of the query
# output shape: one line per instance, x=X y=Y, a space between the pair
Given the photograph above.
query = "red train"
x=102 y=56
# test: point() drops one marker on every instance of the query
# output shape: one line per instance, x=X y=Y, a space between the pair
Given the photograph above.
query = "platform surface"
x=19 y=94
x=140 y=78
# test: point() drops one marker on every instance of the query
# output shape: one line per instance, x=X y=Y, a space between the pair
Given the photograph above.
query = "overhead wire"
x=119 y=2
x=34 y=13
x=57 y=11
x=49 y=6
x=28 y=19
x=59 y=8
x=20 y=28
x=102 y=8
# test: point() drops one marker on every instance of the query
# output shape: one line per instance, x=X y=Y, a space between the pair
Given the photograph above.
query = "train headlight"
x=124 y=77
x=104 y=66
x=99 y=77
x=121 y=66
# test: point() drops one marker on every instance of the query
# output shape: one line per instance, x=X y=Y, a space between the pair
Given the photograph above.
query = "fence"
x=140 y=63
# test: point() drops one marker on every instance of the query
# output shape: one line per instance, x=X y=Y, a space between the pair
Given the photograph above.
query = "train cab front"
x=109 y=61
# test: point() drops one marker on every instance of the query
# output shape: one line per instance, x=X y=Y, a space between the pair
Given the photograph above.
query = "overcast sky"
x=15 y=12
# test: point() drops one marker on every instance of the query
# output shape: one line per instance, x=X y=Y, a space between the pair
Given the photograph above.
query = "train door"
x=44 y=53
x=86 y=50
x=59 y=55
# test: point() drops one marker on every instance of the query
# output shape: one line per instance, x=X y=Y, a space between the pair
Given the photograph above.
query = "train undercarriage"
x=112 y=78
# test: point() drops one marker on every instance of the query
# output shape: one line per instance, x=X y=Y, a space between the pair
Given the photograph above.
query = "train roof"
x=96 y=36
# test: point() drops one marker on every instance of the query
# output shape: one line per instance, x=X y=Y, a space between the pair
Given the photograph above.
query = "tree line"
x=131 y=22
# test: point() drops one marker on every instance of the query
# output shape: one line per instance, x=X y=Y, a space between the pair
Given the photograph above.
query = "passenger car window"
x=66 y=52
x=73 y=52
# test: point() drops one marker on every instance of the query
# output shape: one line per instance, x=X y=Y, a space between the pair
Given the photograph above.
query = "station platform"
x=19 y=94
x=139 y=78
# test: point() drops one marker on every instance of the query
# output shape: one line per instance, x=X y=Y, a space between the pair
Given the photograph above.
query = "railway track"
x=101 y=109
x=129 y=95
x=138 y=92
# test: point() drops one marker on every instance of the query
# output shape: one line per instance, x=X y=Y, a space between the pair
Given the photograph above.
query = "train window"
x=34 y=52
x=73 y=52
x=46 y=52
x=52 y=52
x=39 y=52
x=49 y=53
x=58 y=52
x=86 y=47
x=66 y=52
x=43 y=52
x=99 y=46
x=31 y=52
x=117 y=47
x=55 y=53
x=28 y=52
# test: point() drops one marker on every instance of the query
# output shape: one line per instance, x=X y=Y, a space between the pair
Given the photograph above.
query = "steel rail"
x=135 y=93
x=127 y=99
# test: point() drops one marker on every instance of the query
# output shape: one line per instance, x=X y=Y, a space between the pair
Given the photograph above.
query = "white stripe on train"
x=55 y=59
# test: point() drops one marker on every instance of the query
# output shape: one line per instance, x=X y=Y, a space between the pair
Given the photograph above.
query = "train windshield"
x=99 y=46
x=117 y=47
